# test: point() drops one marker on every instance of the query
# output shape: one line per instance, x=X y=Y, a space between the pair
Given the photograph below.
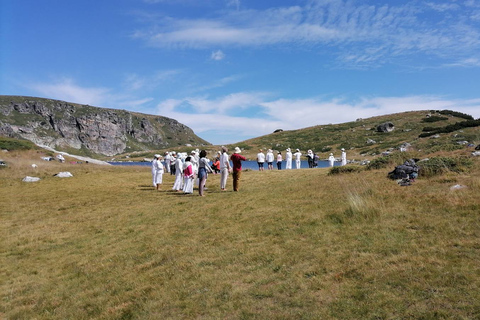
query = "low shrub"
x=11 y=144
x=441 y=165
x=434 y=119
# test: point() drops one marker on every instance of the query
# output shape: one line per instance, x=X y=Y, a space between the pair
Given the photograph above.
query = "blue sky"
x=237 y=69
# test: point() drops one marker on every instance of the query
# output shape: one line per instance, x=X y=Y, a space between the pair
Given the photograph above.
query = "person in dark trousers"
x=237 y=167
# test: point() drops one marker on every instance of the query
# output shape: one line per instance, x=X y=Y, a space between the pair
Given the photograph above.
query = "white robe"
x=344 y=158
x=158 y=175
x=288 y=157
x=331 y=161
x=178 y=184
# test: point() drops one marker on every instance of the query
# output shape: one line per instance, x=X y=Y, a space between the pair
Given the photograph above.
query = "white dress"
x=331 y=160
x=158 y=176
x=288 y=157
x=178 y=184
x=298 y=160
x=344 y=158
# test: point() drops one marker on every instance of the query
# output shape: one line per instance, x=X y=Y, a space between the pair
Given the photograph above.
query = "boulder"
x=386 y=127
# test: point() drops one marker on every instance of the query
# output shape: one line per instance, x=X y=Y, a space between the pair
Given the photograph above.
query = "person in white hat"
x=310 y=158
x=288 y=159
x=331 y=160
x=298 y=160
x=344 y=157
x=157 y=171
x=178 y=184
x=269 y=159
x=237 y=167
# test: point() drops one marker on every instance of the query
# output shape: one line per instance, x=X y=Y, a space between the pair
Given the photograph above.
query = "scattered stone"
x=435 y=136
x=462 y=142
x=477 y=147
x=457 y=187
x=30 y=179
x=371 y=141
x=476 y=153
x=34 y=166
x=64 y=174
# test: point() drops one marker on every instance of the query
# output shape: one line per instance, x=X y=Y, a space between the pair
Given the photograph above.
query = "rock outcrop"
x=63 y=125
x=386 y=127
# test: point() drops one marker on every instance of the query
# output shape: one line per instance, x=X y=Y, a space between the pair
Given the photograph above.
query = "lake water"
x=245 y=164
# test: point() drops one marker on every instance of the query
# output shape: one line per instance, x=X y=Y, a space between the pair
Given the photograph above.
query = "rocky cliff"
x=90 y=130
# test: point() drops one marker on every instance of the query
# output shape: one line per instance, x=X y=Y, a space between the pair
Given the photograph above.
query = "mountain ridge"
x=89 y=130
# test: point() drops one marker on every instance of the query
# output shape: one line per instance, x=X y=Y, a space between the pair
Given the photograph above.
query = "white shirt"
x=261 y=157
x=288 y=156
x=269 y=156
x=224 y=164
x=297 y=155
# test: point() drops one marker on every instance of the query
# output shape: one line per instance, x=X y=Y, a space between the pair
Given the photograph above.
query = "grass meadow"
x=296 y=244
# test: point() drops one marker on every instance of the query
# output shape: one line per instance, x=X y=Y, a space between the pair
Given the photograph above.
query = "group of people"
x=194 y=169
x=289 y=156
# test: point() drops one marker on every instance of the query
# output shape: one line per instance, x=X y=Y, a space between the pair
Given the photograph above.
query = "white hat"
x=157 y=156
x=343 y=149
x=309 y=151
x=331 y=154
x=288 y=150
x=237 y=150
x=298 y=150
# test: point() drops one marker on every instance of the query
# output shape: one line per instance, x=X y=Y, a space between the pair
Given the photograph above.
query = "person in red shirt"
x=237 y=167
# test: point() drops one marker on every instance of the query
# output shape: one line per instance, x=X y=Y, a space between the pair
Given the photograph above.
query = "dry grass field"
x=296 y=244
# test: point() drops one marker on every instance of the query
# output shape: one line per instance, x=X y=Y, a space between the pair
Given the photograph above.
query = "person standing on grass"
x=279 y=160
x=288 y=158
x=188 y=176
x=173 y=159
x=310 y=158
x=168 y=159
x=270 y=159
x=344 y=157
x=178 y=184
x=260 y=159
x=298 y=161
x=237 y=167
x=331 y=160
x=154 y=172
x=203 y=170
x=158 y=171
x=224 y=168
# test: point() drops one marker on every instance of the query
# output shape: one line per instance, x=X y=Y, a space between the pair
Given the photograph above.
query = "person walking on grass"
x=188 y=176
x=225 y=168
x=288 y=158
x=237 y=167
x=298 y=161
x=260 y=159
x=270 y=159
x=203 y=170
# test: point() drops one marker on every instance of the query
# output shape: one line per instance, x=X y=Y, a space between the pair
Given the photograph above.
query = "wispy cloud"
x=66 y=89
x=346 y=25
x=217 y=55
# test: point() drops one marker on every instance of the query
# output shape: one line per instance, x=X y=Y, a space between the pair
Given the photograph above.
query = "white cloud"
x=67 y=90
x=221 y=115
x=217 y=55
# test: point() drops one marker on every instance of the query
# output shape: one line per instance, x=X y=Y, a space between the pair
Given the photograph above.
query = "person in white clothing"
x=331 y=160
x=158 y=168
x=288 y=159
x=269 y=159
x=178 y=184
x=344 y=157
x=298 y=160
x=260 y=159
x=168 y=159
x=225 y=168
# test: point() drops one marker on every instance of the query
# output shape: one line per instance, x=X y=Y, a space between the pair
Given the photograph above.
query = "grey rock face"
x=59 y=124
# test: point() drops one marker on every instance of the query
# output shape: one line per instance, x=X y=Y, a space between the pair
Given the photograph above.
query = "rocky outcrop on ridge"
x=67 y=126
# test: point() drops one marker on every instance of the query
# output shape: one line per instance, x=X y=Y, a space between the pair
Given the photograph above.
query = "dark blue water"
x=245 y=164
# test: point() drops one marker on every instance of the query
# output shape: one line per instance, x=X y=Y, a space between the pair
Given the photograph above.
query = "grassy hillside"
x=354 y=136
x=296 y=244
